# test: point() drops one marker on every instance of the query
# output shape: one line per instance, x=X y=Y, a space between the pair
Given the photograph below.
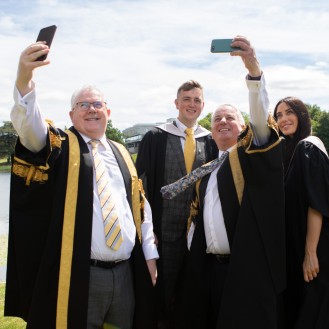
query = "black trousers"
x=218 y=271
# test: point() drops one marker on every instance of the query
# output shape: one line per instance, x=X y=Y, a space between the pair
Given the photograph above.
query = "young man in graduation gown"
x=236 y=269
x=61 y=271
x=161 y=161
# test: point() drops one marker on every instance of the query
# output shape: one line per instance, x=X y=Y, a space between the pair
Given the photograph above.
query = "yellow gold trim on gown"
x=68 y=232
x=237 y=172
x=30 y=172
x=136 y=189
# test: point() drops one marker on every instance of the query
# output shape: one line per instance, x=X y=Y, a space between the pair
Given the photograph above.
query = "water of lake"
x=4 y=202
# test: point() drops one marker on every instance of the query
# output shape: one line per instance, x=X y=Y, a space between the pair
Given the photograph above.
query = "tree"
x=245 y=117
x=320 y=123
x=321 y=129
x=206 y=121
x=8 y=137
x=315 y=113
x=113 y=133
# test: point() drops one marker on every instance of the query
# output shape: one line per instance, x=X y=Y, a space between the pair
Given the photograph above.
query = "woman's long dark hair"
x=303 y=129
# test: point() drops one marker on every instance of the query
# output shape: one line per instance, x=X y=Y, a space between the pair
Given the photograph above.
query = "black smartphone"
x=222 y=46
x=46 y=34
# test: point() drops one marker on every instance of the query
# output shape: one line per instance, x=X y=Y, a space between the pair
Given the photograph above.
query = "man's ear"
x=108 y=112
x=176 y=103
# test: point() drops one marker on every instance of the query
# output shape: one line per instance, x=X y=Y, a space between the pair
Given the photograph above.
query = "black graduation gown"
x=307 y=185
x=35 y=237
x=256 y=273
x=150 y=165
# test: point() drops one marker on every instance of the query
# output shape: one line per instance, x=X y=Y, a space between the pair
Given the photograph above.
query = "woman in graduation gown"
x=306 y=168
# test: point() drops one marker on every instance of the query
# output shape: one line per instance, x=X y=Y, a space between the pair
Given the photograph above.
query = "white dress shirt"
x=32 y=130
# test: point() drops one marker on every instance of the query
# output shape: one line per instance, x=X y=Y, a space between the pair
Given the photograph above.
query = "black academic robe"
x=307 y=185
x=35 y=251
x=150 y=165
x=255 y=227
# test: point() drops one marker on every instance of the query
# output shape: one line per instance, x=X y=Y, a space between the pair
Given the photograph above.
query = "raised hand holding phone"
x=222 y=46
x=31 y=59
x=46 y=34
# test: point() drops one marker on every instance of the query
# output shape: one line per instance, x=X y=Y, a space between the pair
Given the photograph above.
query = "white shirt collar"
x=103 y=140
x=182 y=127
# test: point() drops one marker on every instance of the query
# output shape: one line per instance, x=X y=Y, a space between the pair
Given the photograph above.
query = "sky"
x=138 y=52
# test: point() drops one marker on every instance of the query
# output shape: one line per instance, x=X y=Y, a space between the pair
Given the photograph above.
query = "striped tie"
x=189 y=149
x=171 y=190
x=112 y=228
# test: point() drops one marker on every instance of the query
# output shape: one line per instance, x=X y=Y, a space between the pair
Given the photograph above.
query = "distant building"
x=134 y=134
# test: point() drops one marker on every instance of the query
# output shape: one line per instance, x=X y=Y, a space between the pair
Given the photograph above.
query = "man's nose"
x=92 y=108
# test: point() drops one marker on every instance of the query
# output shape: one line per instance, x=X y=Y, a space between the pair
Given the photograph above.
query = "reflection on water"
x=4 y=202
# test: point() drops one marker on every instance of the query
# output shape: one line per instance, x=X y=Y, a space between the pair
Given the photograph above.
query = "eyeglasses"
x=85 y=106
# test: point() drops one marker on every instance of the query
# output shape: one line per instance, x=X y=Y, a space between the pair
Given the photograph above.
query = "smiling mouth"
x=92 y=119
x=285 y=126
x=224 y=129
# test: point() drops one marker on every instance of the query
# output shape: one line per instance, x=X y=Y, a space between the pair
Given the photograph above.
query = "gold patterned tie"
x=112 y=228
x=189 y=149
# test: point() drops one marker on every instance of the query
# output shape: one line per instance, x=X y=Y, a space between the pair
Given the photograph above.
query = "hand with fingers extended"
x=247 y=54
x=27 y=64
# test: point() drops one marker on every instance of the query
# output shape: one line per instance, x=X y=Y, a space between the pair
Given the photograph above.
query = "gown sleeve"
x=315 y=170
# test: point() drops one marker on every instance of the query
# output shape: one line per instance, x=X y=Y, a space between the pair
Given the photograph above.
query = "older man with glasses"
x=81 y=243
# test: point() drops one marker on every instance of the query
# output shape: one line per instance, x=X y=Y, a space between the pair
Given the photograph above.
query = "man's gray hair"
x=238 y=113
x=81 y=90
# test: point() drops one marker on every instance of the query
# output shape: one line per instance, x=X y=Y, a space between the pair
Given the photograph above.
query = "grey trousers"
x=111 y=297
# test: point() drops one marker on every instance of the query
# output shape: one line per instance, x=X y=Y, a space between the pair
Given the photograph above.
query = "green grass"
x=8 y=322
x=4 y=167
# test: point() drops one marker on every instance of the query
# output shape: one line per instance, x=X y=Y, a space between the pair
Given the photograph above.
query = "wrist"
x=254 y=76
x=309 y=249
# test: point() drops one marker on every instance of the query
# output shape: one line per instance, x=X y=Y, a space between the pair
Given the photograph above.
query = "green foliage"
x=113 y=133
x=206 y=121
x=245 y=117
x=320 y=123
x=8 y=137
x=321 y=128
x=315 y=113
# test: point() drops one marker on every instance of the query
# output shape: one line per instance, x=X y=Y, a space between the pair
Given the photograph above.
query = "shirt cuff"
x=256 y=85
x=150 y=251
x=254 y=78
x=23 y=102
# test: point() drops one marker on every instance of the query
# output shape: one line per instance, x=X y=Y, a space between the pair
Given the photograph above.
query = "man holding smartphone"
x=81 y=244
x=235 y=274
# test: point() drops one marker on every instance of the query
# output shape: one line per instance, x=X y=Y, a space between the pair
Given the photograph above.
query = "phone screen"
x=222 y=46
x=46 y=34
